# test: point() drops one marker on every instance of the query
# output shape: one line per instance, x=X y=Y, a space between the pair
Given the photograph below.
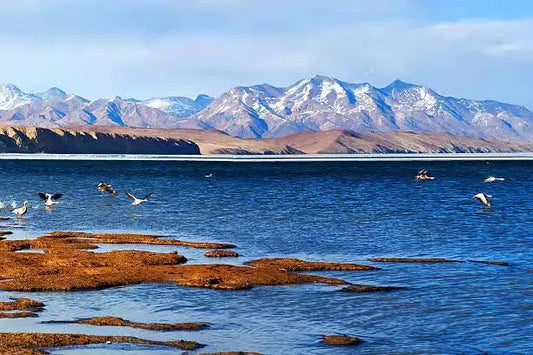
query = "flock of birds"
x=483 y=198
x=53 y=199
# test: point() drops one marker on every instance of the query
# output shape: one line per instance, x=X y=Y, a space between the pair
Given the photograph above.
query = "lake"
x=321 y=211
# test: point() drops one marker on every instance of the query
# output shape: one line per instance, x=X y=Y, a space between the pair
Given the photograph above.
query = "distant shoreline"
x=274 y=158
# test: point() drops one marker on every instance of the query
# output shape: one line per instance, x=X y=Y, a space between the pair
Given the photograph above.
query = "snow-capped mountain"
x=12 y=97
x=179 y=105
x=324 y=103
x=56 y=108
x=317 y=104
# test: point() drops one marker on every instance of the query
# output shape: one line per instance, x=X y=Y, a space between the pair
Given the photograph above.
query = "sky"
x=479 y=49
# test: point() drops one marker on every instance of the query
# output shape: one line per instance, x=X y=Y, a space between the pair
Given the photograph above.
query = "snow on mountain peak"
x=11 y=97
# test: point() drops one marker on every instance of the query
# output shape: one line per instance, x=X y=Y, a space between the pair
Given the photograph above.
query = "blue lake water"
x=341 y=211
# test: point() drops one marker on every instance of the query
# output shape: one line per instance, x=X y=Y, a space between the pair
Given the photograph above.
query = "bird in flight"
x=137 y=201
x=484 y=199
x=492 y=179
x=105 y=187
x=49 y=199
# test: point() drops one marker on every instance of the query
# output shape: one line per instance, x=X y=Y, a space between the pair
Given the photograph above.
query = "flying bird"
x=423 y=175
x=492 y=179
x=49 y=199
x=209 y=175
x=105 y=187
x=21 y=210
x=484 y=199
x=137 y=201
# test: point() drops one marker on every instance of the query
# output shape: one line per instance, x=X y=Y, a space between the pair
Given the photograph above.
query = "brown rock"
x=30 y=343
x=343 y=340
x=220 y=254
x=370 y=288
x=119 y=322
x=21 y=304
x=291 y=264
x=2 y=233
x=63 y=267
x=490 y=262
x=122 y=238
x=414 y=260
x=23 y=314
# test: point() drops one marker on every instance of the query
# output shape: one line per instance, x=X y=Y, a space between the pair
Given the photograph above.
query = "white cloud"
x=478 y=59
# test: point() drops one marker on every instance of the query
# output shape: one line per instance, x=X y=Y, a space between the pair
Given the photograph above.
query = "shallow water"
x=347 y=211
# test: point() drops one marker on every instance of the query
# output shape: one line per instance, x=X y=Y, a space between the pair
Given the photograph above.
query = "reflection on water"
x=324 y=211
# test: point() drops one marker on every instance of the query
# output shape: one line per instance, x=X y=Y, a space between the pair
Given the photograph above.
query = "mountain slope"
x=324 y=103
x=55 y=108
x=122 y=140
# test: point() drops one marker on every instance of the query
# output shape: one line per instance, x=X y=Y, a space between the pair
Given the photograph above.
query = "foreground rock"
x=130 y=238
x=414 y=260
x=221 y=254
x=23 y=314
x=26 y=308
x=31 y=343
x=64 y=267
x=490 y=262
x=291 y=264
x=119 y=322
x=343 y=340
x=21 y=304
x=370 y=288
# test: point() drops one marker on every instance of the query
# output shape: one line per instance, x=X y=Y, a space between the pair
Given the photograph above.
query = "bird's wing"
x=56 y=196
x=130 y=195
x=148 y=196
x=42 y=195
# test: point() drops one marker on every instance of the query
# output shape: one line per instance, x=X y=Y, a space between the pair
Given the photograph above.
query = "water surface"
x=332 y=211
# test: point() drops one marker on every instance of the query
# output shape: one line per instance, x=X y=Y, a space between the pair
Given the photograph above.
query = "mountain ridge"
x=319 y=103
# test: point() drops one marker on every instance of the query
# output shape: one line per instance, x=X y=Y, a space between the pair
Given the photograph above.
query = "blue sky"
x=479 y=49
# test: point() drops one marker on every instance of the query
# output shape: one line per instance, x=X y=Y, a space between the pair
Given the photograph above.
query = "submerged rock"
x=370 y=288
x=414 y=260
x=31 y=343
x=491 y=262
x=291 y=264
x=119 y=322
x=342 y=340
x=23 y=314
x=220 y=254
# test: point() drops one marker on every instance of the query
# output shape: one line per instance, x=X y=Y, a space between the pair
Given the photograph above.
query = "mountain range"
x=319 y=103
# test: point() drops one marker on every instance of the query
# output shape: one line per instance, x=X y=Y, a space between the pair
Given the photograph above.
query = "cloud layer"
x=143 y=48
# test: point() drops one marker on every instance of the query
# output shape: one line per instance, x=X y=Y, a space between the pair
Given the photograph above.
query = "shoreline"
x=275 y=158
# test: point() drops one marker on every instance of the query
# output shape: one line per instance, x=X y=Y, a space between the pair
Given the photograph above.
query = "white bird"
x=492 y=179
x=138 y=201
x=209 y=175
x=483 y=198
x=49 y=199
x=21 y=210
